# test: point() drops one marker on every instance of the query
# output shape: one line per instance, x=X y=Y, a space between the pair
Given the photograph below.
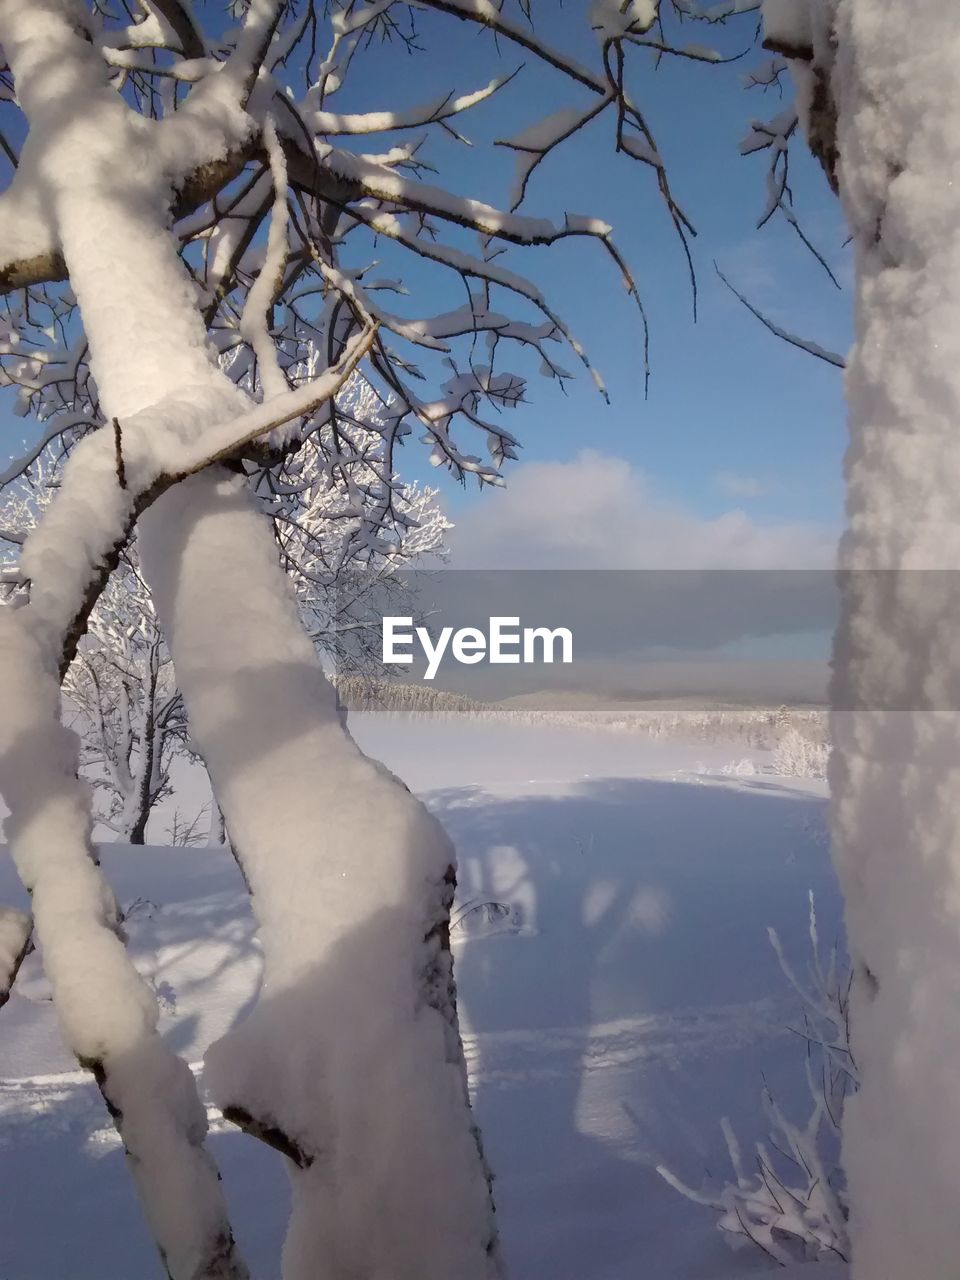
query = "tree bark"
x=895 y=768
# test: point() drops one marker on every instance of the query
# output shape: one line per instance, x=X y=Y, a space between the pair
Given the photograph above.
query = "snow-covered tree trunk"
x=880 y=83
x=130 y=752
x=147 y=778
x=352 y=1063
x=141 y=799
x=217 y=828
x=108 y=1016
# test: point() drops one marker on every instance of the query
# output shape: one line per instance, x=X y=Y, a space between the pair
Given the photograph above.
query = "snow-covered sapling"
x=791 y=1203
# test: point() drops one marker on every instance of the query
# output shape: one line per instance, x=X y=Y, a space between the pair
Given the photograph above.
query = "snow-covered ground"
x=620 y=998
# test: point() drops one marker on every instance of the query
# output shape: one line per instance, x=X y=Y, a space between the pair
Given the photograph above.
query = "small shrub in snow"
x=792 y=1204
x=744 y=768
x=189 y=832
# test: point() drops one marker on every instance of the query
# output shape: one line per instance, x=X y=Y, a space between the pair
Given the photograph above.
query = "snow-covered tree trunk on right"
x=880 y=88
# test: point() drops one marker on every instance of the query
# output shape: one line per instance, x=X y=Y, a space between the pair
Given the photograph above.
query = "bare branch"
x=803 y=344
x=21 y=273
x=269 y=1132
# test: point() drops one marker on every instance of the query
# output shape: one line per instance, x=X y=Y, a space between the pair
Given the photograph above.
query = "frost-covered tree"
x=346 y=571
x=122 y=699
x=798 y=755
x=119 y=693
x=187 y=214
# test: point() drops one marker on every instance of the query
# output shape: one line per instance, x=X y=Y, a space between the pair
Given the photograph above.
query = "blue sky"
x=735 y=419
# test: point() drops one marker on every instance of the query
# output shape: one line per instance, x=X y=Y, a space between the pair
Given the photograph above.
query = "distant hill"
x=705 y=719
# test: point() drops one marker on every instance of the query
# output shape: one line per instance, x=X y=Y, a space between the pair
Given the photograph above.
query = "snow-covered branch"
x=177 y=17
x=160 y=447
x=208 y=100
x=793 y=339
x=331 y=123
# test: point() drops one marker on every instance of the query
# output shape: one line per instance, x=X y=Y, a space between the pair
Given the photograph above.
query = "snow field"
x=626 y=1000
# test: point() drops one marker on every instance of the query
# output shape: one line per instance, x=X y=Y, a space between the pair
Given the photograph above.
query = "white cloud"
x=599 y=512
x=751 y=267
x=734 y=484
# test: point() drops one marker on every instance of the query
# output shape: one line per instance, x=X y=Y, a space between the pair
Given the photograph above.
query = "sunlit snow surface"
x=618 y=996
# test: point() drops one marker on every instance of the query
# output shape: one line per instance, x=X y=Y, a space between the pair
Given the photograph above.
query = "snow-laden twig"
x=333 y=123
x=803 y=344
x=254 y=322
